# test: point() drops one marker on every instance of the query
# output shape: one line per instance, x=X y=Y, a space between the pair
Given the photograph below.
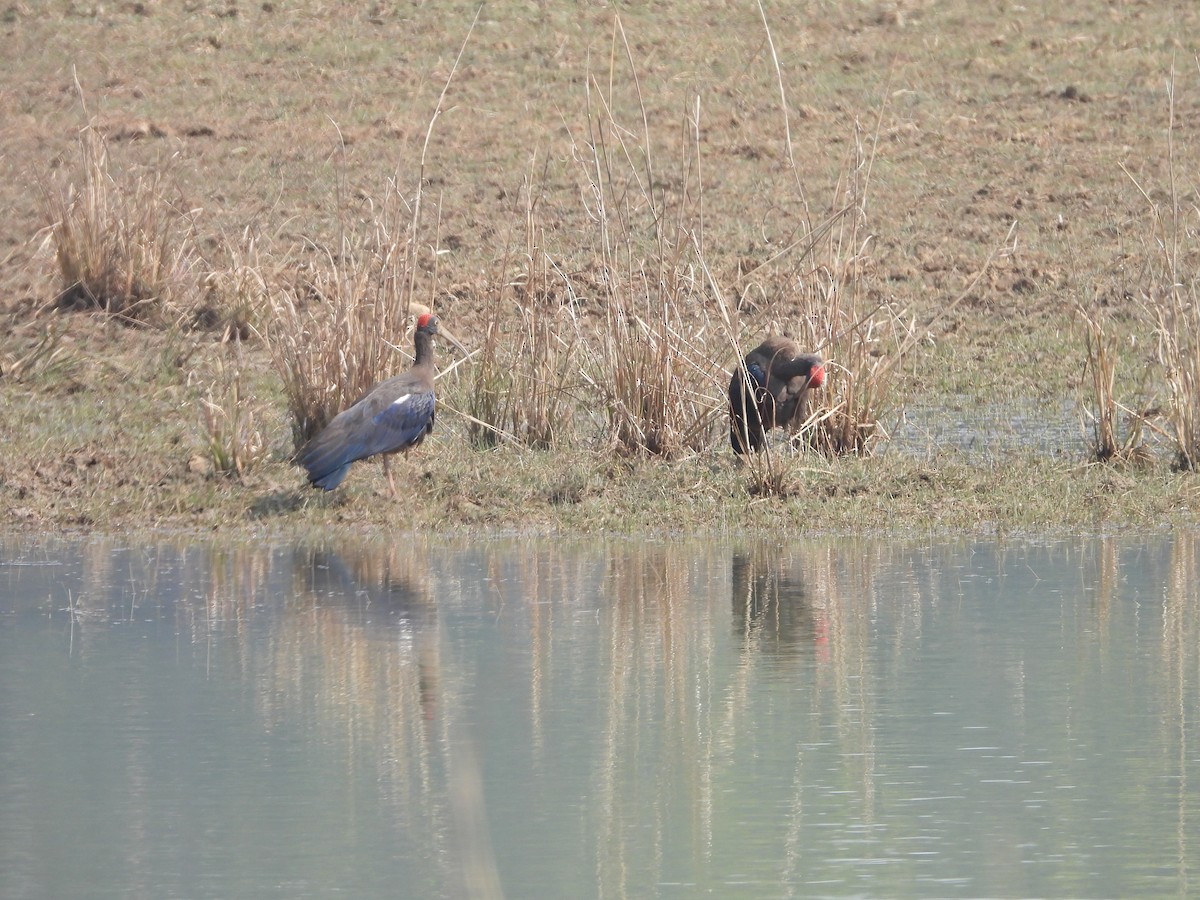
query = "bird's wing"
x=398 y=424
x=328 y=456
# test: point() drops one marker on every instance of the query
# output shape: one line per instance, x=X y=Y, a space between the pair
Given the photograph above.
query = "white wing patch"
x=399 y=401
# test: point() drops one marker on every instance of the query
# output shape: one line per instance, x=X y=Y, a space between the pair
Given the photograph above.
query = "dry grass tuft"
x=236 y=294
x=1171 y=299
x=46 y=358
x=1101 y=348
x=773 y=474
x=1177 y=325
x=643 y=371
x=119 y=245
x=342 y=328
x=519 y=386
x=234 y=438
x=651 y=363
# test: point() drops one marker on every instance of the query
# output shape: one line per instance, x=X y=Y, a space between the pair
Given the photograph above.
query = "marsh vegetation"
x=980 y=221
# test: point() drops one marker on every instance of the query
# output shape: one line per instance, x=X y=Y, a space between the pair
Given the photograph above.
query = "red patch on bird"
x=423 y=319
x=816 y=377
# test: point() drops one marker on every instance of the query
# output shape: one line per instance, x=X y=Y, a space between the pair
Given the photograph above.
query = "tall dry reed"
x=1170 y=296
x=343 y=327
x=650 y=363
x=1176 y=309
x=519 y=388
x=119 y=244
x=1110 y=442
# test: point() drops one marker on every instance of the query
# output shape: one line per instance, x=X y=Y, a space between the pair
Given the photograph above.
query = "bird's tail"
x=329 y=480
x=326 y=462
x=745 y=418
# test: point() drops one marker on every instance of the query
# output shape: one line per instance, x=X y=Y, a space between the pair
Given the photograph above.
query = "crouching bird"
x=768 y=389
x=394 y=415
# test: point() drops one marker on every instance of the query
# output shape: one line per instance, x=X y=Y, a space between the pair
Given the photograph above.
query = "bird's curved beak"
x=446 y=333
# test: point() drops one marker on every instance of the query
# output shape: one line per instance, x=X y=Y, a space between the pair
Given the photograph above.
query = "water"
x=599 y=719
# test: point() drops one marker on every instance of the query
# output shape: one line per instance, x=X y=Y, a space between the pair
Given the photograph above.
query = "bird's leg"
x=387 y=470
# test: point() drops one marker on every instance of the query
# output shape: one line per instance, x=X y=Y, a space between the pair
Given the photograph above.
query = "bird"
x=767 y=390
x=395 y=415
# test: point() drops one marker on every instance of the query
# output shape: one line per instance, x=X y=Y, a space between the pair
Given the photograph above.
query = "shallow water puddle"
x=611 y=718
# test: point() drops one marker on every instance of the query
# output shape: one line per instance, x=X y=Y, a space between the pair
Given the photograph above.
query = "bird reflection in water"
x=772 y=609
x=381 y=592
x=366 y=582
x=374 y=625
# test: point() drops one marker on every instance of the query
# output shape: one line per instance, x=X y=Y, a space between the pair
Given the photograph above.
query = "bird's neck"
x=424 y=350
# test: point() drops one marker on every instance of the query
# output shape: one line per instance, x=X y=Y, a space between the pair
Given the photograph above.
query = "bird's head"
x=427 y=323
x=816 y=375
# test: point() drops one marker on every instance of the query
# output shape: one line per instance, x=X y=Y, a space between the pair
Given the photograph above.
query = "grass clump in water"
x=1102 y=351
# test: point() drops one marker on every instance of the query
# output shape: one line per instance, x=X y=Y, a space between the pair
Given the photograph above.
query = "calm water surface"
x=610 y=719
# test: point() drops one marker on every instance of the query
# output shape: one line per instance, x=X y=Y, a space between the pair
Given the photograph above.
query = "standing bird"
x=394 y=415
x=768 y=389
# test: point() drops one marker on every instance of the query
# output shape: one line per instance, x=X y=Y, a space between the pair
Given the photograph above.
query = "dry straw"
x=520 y=388
x=650 y=362
x=236 y=302
x=234 y=438
x=1170 y=298
x=339 y=331
x=119 y=245
x=1101 y=347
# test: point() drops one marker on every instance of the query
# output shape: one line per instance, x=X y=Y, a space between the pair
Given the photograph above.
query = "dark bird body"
x=769 y=390
x=394 y=415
